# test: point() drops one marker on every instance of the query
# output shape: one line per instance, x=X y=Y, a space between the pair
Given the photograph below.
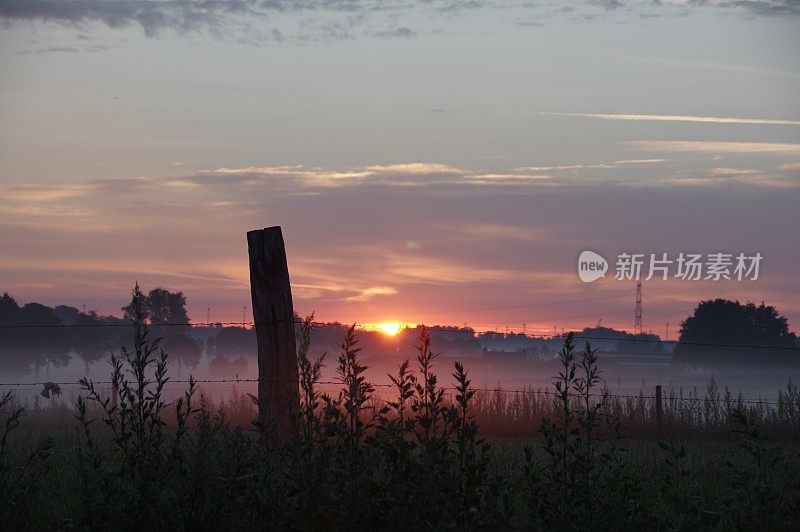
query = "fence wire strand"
x=500 y=390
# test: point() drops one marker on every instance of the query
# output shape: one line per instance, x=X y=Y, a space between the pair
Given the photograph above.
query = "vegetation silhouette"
x=730 y=323
x=414 y=461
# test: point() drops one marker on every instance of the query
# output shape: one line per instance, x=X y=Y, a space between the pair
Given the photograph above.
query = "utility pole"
x=244 y=311
x=667 y=337
x=208 y=316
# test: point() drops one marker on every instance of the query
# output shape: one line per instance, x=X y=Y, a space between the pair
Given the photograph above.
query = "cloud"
x=590 y=166
x=401 y=32
x=41 y=193
x=715 y=147
x=480 y=242
x=720 y=67
x=472 y=232
x=681 y=118
x=509 y=179
x=415 y=168
x=609 y=5
x=757 y=7
x=153 y=16
x=66 y=49
x=220 y=17
x=398 y=175
x=726 y=177
x=373 y=291
x=52 y=49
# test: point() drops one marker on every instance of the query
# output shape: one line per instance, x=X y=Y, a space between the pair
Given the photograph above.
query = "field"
x=418 y=460
x=59 y=494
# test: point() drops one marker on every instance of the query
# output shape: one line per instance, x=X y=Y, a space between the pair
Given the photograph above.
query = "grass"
x=706 y=459
x=416 y=461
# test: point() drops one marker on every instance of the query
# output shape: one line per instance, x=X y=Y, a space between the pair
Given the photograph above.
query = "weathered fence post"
x=273 y=316
x=659 y=414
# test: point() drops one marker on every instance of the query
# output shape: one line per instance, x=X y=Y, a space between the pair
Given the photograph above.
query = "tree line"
x=760 y=333
x=35 y=335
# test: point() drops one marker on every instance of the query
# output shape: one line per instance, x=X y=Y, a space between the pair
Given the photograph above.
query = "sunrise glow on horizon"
x=389 y=328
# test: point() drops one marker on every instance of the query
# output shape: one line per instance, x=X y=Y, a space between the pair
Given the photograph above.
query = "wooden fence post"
x=273 y=316
x=659 y=414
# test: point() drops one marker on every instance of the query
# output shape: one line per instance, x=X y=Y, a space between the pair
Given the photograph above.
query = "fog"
x=494 y=360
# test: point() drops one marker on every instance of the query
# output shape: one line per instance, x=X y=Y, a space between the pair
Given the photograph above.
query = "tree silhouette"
x=27 y=345
x=755 y=329
x=161 y=306
x=164 y=311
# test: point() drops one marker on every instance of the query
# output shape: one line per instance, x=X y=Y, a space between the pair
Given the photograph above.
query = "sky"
x=429 y=161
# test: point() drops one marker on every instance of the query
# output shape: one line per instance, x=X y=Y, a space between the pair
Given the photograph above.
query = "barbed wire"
x=501 y=390
x=244 y=324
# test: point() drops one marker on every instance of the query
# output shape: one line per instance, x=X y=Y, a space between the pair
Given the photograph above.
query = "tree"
x=717 y=325
x=640 y=343
x=161 y=306
x=29 y=344
x=165 y=311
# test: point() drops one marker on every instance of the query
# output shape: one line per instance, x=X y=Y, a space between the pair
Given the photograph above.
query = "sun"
x=390 y=327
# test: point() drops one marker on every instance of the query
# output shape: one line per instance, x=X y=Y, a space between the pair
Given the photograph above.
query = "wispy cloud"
x=681 y=118
x=720 y=177
x=373 y=291
x=472 y=232
x=350 y=257
x=719 y=67
x=66 y=49
x=415 y=168
x=715 y=147
x=401 y=32
x=41 y=193
x=414 y=174
x=590 y=166
x=758 y=7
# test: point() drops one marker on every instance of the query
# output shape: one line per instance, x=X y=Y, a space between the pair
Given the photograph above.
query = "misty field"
x=415 y=459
